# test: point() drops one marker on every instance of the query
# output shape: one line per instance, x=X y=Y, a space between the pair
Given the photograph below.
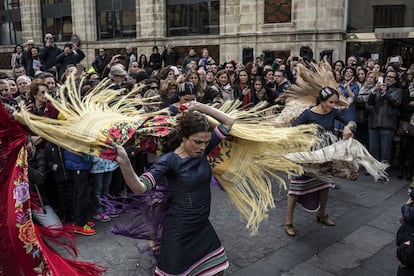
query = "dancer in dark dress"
x=189 y=245
x=309 y=191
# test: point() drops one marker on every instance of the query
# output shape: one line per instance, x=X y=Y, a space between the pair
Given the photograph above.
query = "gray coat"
x=384 y=109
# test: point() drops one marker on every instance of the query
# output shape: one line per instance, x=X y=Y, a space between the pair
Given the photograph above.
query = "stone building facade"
x=280 y=27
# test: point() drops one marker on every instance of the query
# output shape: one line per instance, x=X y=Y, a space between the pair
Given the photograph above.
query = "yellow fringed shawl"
x=255 y=151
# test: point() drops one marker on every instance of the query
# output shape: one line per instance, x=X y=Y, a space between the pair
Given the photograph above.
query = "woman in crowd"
x=310 y=192
x=38 y=103
x=38 y=165
x=169 y=89
x=361 y=76
x=17 y=57
x=407 y=142
x=193 y=77
x=377 y=69
x=168 y=73
x=189 y=243
x=6 y=97
x=361 y=109
x=350 y=89
x=35 y=63
x=259 y=92
x=13 y=88
x=143 y=62
x=223 y=85
x=338 y=76
x=242 y=89
x=339 y=66
x=186 y=94
x=101 y=175
x=155 y=59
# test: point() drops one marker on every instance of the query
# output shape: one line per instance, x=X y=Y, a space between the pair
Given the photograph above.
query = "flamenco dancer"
x=189 y=245
x=312 y=193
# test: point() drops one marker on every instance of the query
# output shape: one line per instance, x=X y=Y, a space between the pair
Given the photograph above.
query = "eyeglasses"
x=29 y=44
x=49 y=38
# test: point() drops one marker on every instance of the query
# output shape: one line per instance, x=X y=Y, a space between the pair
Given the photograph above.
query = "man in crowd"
x=383 y=106
x=101 y=61
x=49 y=52
x=129 y=57
x=27 y=54
x=70 y=55
x=170 y=55
x=192 y=56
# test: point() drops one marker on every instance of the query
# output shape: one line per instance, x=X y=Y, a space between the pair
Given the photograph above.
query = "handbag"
x=405 y=129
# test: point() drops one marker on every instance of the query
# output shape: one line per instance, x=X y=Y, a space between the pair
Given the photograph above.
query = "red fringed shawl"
x=23 y=250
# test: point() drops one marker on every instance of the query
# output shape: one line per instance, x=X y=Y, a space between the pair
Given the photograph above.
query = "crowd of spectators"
x=380 y=97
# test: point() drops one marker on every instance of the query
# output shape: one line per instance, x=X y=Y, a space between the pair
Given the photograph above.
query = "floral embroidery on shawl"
x=24 y=222
x=220 y=153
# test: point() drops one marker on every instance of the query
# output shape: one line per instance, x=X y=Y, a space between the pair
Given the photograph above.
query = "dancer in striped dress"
x=309 y=191
x=189 y=244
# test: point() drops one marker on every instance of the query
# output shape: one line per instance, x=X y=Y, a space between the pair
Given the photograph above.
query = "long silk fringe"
x=257 y=155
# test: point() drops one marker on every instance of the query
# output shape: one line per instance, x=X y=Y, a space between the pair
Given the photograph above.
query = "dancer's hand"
x=122 y=156
x=347 y=133
x=193 y=106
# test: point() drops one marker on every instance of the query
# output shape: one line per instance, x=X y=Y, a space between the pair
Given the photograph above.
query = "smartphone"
x=381 y=80
x=394 y=60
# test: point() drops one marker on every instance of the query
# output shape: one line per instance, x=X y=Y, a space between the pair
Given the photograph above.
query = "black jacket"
x=100 y=62
x=384 y=108
x=48 y=56
x=54 y=155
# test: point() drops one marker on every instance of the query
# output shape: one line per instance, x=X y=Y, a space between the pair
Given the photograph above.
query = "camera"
x=122 y=57
x=295 y=58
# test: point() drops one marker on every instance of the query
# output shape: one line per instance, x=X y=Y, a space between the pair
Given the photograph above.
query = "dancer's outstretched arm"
x=220 y=116
x=130 y=177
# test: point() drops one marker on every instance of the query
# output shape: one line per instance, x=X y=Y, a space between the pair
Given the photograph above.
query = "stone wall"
x=314 y=23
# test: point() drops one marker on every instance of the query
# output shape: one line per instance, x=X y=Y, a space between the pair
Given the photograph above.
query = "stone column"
x=151 y=19
x=30 y=12
x=84 y=25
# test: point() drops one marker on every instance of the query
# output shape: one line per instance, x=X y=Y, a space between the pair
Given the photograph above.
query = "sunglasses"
x=49 y=38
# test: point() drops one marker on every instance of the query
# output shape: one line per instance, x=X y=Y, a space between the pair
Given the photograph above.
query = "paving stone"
x=366 y=214
x=369 y=239
x=307 y=269
x=344 y=255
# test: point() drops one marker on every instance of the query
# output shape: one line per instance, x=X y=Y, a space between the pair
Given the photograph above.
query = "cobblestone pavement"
x=362 y=243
